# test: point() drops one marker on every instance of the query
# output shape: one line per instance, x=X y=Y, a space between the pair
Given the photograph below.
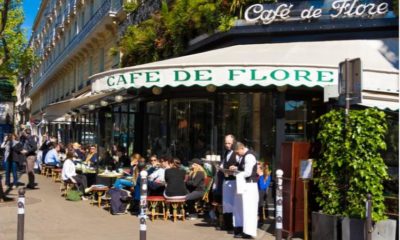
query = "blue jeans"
x=121 y=183
x=11 y=166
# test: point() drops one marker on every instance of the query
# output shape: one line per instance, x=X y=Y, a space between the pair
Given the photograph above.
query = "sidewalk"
x=48 y=216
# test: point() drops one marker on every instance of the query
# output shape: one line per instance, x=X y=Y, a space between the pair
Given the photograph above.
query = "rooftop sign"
x=269 y=13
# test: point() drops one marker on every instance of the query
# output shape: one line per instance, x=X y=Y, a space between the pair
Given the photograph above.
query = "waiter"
x=245 y=218
x=229 y=183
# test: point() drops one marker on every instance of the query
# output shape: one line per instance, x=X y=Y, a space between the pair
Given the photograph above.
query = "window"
x=101 y=60
x=82 y=19
x=90 y=65
x=241 y=110
x=116 y=58
x=156 y=139
x=76 y=29
x=91 y=8
x=295 y=120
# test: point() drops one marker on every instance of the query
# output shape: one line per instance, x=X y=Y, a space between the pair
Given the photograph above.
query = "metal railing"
x=109 y=6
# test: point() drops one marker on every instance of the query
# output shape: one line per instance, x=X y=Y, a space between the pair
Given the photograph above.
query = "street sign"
x=350 y=81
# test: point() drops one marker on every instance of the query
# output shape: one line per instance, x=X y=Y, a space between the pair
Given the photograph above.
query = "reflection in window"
x=295 y=120
x=157 y=128
x=249 y=117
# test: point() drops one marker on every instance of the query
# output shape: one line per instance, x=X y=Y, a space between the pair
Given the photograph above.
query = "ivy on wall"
x=167 y=33
x=351 y=165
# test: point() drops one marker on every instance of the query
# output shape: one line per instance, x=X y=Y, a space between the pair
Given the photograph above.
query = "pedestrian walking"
x=29 y=149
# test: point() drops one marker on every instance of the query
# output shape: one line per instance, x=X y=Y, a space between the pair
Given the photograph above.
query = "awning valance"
x=308 y=64
x=56 y=111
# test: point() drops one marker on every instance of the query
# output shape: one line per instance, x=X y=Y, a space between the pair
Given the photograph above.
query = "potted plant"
x=349 y=168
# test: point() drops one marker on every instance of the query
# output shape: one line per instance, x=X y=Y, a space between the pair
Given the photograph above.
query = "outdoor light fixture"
x=103 y=103
x=67 y=117
x=119 y=98
x=282 y=88
x=156 y=90
x=92 y=107
x=211 y=88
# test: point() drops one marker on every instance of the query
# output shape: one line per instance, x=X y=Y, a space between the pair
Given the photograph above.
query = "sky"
x=30 y=9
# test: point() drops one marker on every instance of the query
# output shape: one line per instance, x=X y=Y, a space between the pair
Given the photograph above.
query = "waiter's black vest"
x=253 y=177
x=230 y=162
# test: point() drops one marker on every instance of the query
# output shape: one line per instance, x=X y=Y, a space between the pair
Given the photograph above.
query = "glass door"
x=191 y=129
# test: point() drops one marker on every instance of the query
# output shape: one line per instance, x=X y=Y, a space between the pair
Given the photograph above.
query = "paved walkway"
x=50 y=217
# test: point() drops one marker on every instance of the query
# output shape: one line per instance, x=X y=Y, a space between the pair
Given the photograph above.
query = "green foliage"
x=167 y=33
x=396 y=7
x=351 y=165
x=14 y=40
x=132 y=6
x=226 y=23
x=15 y=58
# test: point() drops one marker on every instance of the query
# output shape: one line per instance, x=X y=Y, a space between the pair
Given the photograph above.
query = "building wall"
x=72 y=39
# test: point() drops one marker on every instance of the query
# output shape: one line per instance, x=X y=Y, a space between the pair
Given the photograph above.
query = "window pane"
x=295 y=120
x=157 y=128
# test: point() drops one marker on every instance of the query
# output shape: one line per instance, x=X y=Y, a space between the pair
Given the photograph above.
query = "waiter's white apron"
x=250 y=209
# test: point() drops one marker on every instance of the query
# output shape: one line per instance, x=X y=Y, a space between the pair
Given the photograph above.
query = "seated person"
x=91 y=157
x=175 y=181
x=51 y=158
x=108 y=161
x=123 y=159
x=154 y=164
x=123 y=182
x=156 y=179
x=195 y=185
x=135 y=159
x=69 y=173
x=78 y=154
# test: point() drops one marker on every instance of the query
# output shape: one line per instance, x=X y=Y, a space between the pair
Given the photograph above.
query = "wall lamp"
x=103 y=103
x=91 y=107
x=119 y=98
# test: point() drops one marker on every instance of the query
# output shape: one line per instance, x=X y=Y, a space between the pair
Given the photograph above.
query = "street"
x=49 y=216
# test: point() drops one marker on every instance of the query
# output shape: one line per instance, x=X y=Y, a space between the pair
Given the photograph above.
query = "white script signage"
x=340 y=9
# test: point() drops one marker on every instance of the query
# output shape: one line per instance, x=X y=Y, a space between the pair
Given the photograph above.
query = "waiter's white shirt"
x=249 y=163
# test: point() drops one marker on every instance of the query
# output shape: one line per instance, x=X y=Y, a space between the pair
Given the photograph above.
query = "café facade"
x=265 y=81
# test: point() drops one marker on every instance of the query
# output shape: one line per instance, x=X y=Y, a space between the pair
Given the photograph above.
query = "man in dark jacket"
x=29 y=149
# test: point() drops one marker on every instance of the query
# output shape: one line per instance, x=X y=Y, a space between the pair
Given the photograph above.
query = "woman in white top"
x=69 y=173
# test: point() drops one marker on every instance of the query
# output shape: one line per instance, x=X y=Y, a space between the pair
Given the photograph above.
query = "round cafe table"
x=107 y=179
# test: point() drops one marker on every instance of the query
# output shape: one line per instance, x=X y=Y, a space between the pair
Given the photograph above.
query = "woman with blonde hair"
x=195 y=185
x=135 y=159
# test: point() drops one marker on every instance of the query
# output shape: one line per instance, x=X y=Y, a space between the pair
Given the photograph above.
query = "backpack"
x=119 y=201
x=73 y=195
